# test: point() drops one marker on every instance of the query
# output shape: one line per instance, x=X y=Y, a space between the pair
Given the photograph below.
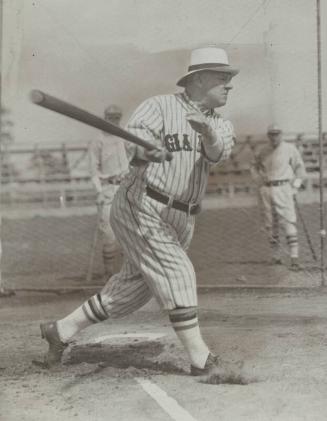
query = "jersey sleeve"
x=146 y=122
x=297 y=164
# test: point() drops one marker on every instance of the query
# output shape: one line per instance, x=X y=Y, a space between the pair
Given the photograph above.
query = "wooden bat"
x=69 y=110
x=89 y=274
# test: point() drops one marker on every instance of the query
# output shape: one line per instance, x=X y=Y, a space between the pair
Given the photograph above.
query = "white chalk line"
x=167 y=403
x=148 y=336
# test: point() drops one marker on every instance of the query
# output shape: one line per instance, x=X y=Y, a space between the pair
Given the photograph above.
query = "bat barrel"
x=47 y=101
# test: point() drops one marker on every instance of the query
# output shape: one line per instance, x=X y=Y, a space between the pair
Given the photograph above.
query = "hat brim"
x=233 y=71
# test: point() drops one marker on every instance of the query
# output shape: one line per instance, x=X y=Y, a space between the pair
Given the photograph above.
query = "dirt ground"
x=229 y=247
x=135 y=369
x=132 y=369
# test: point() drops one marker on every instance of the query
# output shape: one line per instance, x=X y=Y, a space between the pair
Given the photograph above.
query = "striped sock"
x=293 y=245
x=185 y=324
x=87 y=314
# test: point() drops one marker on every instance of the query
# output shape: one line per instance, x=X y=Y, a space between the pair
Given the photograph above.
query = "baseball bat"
x=305 y=229
x=76 y=113
x=89 y=274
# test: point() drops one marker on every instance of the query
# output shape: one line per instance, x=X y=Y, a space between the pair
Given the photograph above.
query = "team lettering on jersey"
x=176 y=143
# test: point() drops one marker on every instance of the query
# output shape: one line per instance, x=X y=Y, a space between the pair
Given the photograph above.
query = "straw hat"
x=208 y=58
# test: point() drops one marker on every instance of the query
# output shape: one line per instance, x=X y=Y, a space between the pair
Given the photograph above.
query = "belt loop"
x=170 y=201
x=189 y=208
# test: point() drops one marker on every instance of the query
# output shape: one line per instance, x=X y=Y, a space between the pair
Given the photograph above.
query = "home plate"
x=144 y=336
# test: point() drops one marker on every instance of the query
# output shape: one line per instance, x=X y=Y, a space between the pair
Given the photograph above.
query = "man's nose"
x=228 y=86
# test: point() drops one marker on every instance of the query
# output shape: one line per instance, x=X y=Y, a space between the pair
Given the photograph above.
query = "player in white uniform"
x=108 y=165
x=153 y=211
x=279 y=172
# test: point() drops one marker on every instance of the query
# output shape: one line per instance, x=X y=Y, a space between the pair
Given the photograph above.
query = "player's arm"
x=216 y=143
x=299 y=170
x=257 y=168
x=146 y=123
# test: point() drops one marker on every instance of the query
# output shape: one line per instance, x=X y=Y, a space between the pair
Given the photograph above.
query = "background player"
x=279 y=171
x=153 y=211
x=108 y=165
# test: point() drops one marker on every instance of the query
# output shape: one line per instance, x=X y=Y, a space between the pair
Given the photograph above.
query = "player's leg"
x=124 y=293
x=274 y=237
x=169 y=273
x=271 y=222
x=184 y=321
x=110 y=247
x=293 y=244
x=285 y=208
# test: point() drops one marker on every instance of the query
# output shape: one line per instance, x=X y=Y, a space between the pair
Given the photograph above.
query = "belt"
x=112 y=181
x=276 y=182
x=189 y=208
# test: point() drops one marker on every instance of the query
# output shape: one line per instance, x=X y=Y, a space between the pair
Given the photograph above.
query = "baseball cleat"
x=214 y=365
x=295 y=265
x=50 y=333
x=277 y=261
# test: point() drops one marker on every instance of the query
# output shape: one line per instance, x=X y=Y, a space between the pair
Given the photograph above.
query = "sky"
x=122 y=51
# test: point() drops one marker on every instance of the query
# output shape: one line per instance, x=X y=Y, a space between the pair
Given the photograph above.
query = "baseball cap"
x=274 y=128
x=113 y=110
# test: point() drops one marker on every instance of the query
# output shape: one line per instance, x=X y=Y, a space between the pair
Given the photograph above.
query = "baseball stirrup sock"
x=85 y=315
x=293 y=245
x=94 y=310
x=186 y=326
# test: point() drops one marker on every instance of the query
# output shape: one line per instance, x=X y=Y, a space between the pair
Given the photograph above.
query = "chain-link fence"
x=50 y=234
x=48 y=202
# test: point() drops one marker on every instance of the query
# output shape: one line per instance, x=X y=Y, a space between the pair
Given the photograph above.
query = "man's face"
x=215 y=87
x=113 y=118
x=275 y=139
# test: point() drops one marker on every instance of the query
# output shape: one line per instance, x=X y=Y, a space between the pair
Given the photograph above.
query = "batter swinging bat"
x=69 y=110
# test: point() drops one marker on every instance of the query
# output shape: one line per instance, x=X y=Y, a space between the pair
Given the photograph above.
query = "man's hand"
x=199 y=123
x=157 y=155
x=100 y=198
x=297 y=183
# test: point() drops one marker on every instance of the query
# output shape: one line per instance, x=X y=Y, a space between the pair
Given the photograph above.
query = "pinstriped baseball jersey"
x=162 y=121
x=154 y=236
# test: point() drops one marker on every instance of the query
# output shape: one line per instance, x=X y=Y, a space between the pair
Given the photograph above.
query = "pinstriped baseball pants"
x=154 y=239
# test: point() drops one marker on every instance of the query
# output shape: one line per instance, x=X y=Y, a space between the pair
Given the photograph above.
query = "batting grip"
x=76 y=113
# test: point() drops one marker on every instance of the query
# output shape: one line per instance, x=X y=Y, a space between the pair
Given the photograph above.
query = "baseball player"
x=108 y=165
x=153 y=210
x=279 y=172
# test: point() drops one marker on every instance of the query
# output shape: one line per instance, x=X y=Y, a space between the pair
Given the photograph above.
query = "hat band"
x=206 y=66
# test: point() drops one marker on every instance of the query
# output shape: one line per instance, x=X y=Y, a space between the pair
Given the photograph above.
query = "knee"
x=290 y=229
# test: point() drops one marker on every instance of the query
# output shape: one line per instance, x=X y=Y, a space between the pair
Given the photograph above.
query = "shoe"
x=50 y=333
x=6 y=293
x=214 y=365
x=295 y=265
x=277 y=261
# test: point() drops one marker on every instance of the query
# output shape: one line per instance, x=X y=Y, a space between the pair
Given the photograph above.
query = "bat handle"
x=169 y=156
